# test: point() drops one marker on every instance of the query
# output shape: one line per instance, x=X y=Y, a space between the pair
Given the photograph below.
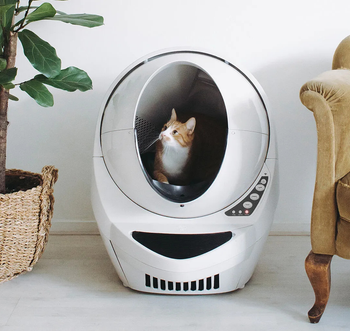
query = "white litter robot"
x=196 y=239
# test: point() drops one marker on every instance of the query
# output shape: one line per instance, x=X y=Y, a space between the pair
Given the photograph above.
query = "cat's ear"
x=191 y=124
x=173 y=115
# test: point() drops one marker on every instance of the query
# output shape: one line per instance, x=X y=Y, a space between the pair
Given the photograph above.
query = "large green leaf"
x=6 y=14
x=40 y=53
x=38 y=92
x=86 y=20
x=7 y=75
x=3 y=63
x=70 y=79
x=7 y=2
x=40 y=13
x=44 y=11
x=22 y=9
x=8 y=86
x=13 y=97
x=7 y=9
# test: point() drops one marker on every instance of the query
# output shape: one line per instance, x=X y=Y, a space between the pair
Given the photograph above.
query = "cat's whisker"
x=150 y=144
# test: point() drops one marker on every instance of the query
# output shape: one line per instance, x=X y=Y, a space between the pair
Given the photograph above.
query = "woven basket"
x=25 y=220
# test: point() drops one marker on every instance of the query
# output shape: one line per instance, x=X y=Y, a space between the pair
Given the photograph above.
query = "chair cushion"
x=343 y=197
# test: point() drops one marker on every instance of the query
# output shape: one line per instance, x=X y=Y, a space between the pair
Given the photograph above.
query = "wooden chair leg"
x=318 y=269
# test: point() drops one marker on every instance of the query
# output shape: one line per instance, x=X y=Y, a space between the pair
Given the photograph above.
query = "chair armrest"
x=333 y=86
x=328 y=96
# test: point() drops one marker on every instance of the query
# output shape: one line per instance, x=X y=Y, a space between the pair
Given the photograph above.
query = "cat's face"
x=177 y=134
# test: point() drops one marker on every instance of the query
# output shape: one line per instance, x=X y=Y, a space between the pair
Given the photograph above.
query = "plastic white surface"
x=124 y=201
x=248 y=135
x=244 y=106
x=245 y=155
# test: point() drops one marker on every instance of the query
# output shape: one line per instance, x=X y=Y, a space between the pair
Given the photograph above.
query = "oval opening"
x=192 y=93
x=182 y=246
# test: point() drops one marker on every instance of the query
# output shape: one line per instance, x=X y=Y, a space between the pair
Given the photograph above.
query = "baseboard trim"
x=89 y=227
x=74 y=227
x=290 y=229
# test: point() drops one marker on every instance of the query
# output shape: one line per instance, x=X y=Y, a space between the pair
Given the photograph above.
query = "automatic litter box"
x=203 y=238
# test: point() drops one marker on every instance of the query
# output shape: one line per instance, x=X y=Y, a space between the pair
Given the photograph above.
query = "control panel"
x=247 y=206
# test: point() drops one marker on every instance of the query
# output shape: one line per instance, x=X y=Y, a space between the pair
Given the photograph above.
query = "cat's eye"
x=174 y=132
x=164 y=127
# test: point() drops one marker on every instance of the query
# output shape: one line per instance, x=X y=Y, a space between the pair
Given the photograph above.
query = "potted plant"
x=26 y=200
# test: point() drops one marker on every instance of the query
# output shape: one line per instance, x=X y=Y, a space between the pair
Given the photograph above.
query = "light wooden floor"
x=74 y=287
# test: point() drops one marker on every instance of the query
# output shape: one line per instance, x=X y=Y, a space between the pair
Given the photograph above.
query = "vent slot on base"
x=209 y=283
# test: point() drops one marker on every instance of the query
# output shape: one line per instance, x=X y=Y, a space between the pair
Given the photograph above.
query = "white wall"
x=282 y=43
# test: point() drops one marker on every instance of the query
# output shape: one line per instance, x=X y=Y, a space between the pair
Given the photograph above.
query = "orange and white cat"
x=173 y=149
x=188 y=151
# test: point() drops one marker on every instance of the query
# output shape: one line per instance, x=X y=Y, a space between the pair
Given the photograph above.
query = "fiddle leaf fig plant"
x=14 y=20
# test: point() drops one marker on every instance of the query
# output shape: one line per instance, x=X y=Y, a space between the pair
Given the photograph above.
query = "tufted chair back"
x=341 y=58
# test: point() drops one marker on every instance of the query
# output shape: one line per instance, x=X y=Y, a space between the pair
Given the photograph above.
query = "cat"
x=189 y=151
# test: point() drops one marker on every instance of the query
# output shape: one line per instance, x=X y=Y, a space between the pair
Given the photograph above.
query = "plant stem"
x=22 y=25
x=10 y=54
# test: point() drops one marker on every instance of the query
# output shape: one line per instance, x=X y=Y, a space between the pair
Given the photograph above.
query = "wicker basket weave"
x=25 y=220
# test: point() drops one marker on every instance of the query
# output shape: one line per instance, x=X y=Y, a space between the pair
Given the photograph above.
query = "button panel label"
x=247 y=206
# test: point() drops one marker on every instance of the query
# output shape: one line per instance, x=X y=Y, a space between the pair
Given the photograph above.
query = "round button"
x=254 y=196
x=263 y=181
x=260 y=187
x=247 y=205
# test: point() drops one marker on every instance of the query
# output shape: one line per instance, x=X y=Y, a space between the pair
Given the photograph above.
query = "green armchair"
x=328 y=97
